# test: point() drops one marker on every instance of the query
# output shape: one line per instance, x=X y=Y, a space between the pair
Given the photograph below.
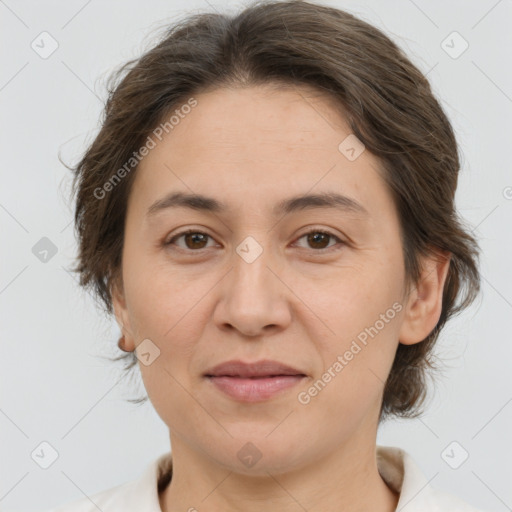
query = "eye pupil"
x=316 y=237
x=194 y=237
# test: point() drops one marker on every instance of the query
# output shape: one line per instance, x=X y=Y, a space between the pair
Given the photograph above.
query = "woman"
x=268 y=210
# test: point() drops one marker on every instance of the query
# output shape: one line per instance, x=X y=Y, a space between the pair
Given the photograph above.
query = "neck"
x=346 y=479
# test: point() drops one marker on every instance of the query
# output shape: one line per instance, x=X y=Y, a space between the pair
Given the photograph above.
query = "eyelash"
x=316 y=231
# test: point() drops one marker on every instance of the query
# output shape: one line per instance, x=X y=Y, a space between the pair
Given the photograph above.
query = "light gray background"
x=54 y=388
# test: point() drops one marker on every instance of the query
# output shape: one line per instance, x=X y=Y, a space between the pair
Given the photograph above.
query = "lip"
x=263 y=368
x=256 y=389
x=253 y=382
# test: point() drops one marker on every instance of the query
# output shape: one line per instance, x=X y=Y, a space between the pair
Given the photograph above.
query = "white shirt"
x=396 y=467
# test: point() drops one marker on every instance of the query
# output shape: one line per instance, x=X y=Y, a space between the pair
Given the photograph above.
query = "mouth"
x=253 y=382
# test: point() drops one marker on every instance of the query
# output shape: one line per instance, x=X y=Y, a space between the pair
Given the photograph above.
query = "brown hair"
x=386 y=100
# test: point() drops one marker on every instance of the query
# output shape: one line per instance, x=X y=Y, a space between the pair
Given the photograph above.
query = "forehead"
x=259 y=144
x=282 y=116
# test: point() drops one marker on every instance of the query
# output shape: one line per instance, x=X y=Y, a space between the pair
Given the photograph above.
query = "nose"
x=254 y=299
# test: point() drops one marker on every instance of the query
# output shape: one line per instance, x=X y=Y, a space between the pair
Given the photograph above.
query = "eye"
x=197 y=240
x=194 y=240
x=319 y=239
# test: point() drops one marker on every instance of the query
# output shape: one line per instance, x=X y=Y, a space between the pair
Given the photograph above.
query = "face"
x=317 y=286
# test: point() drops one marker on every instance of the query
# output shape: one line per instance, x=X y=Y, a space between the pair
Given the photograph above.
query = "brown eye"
x=197 y=240
x=194 y=240
x=319 y=240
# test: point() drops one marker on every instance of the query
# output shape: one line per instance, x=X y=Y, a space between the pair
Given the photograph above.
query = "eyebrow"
x=302 y=202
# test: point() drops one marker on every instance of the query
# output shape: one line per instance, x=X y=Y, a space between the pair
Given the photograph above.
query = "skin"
x=202 y=304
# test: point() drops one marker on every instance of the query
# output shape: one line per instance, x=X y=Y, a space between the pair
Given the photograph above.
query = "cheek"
x=167 y=389
x=354 y=300
x=160 y=297
x=351 y=385
x=358 y=356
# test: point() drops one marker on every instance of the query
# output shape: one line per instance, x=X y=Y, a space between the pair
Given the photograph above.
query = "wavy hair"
x=386 y=100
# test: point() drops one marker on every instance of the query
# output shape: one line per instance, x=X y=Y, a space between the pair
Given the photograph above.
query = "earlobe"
x=425 y=302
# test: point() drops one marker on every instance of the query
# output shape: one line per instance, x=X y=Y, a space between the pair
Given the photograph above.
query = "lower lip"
x=255 y=389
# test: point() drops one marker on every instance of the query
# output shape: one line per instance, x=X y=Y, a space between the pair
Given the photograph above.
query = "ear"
x=425 y=301
x=121 y=312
